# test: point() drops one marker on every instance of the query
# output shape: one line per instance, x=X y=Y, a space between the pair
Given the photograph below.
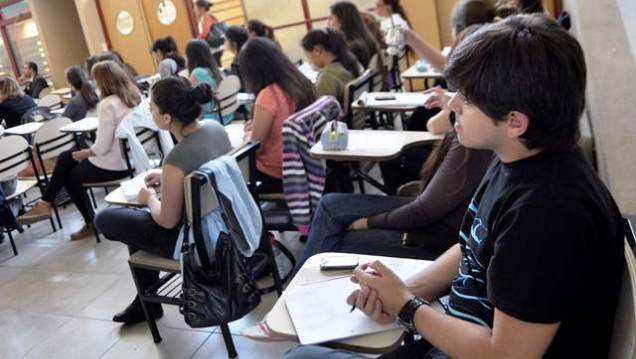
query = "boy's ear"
x=518 y=124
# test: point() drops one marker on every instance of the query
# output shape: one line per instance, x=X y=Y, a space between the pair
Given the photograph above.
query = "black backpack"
x=216 y=36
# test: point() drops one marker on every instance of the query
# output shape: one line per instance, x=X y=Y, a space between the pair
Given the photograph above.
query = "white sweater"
x=111 y=111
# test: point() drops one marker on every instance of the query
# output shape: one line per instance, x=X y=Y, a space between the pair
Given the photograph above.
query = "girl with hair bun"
x=176 y=106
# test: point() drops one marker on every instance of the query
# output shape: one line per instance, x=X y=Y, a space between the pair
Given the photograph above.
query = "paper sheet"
x=402 y=99
x=308 y=72
x=236 y=133
x=131 y=187
x=320 y=313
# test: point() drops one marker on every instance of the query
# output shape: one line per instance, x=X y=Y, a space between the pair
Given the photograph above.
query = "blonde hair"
x=111 y=79
x=9 y=88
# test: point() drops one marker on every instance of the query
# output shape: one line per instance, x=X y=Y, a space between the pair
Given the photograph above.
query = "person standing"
x=206 y=23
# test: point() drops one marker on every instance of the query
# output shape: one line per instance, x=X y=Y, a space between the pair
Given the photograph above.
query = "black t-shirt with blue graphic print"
x=542 y=241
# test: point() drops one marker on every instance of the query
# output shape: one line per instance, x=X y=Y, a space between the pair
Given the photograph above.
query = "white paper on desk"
x=320 y=313
x=370 y=142
x=309 y=73
x=236 y=133
x=402 y=99
x=131 y=187
x=245 y=97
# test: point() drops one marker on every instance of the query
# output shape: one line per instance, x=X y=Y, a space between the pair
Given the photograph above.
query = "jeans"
x=71 y=174
x=337 y=211
x=138 y=230
x=419 y=349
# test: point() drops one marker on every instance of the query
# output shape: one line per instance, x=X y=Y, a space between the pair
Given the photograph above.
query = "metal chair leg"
x=15 y=250
x=152 y=324
x=229 y=343
x=57 y=215
x=94 y=204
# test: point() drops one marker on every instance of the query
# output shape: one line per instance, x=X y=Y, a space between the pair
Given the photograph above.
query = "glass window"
x=166 y=12
x=25 y=41
x=14 y=9
x=5 y=64
x=124 y=22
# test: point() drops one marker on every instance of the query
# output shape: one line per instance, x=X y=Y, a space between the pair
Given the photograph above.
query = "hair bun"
x=201 y=93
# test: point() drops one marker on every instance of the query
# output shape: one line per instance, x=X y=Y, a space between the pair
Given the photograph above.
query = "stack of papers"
x=392 y=99
x=310 y=73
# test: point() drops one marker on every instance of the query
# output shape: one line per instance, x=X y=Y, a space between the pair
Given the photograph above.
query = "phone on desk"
x=339 y=262
x=385 y=97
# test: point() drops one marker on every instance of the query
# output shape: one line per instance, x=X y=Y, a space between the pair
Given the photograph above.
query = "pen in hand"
x=353 y=307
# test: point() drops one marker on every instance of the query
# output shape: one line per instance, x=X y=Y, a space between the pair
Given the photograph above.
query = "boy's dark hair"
x=525 y=63
x=165 y=45
x=33 y=66
x=471 y=12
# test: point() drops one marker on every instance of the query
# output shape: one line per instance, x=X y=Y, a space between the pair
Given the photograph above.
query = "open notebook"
x=320 y=313
x=131 y=187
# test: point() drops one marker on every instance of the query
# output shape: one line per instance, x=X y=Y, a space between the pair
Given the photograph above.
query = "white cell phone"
x=339 y=262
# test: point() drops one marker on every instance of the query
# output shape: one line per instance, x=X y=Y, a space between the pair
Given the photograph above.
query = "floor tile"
x=136 y=342
x=20 y=332
x=214 y=348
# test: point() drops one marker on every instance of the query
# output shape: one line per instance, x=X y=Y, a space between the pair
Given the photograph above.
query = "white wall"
x=605 y=29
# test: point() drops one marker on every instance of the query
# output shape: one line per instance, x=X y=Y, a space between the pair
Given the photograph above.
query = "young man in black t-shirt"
x=539 y=262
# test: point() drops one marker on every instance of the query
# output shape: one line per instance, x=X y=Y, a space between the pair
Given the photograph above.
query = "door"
x=128 y=34
x=169 y=17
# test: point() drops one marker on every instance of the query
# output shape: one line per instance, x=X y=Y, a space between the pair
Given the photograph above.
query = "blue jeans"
x=337 y=211
x=419 y=349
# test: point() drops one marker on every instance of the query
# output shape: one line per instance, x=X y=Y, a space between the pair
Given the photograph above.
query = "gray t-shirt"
x=197 y=148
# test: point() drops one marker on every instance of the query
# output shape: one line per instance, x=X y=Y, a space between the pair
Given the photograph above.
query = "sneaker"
x=40 y=212
x=86 y=231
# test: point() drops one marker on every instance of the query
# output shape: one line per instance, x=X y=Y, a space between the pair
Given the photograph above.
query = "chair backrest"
x=202 y=199
x=227 y=95
x=355 y=89
x=51 y=101
x=15 y=155
x=49 y=141
x=624 y=332
x=45 y=91
x=149 y=139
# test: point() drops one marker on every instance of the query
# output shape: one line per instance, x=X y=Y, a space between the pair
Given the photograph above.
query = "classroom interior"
x=57 y=296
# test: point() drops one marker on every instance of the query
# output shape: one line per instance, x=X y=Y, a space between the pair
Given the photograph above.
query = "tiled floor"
x=57 y=298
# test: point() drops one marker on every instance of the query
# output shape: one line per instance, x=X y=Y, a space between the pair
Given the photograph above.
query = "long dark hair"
x=396 y=8
x=353 y=26
x=177 y=97
x=262 y=63
x=76 y=76
x=237 y=35
x=435 y=159
x=260 y=29
x=199 y=55
x=334 y=42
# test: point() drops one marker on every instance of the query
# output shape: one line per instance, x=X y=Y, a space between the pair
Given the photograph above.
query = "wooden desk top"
x=413 y=73
x=26 y=129
x=279 y=321
x=375 y=146
x=88 y=124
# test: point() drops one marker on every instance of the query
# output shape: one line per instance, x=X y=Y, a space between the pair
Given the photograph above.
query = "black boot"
x=135 y=314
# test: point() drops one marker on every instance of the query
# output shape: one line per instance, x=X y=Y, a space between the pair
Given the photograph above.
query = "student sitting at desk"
x=167 y=56
x=346 y=17
x=85 y=99
x=236 y=37
x=422 y=227
x=539 y=263
x=175 y=106
x=14 y=103
x=204 y=69
x=103 y=160
x=281 y=90
x=327 y=49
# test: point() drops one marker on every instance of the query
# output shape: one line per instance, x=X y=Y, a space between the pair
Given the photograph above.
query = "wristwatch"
x=407 y=313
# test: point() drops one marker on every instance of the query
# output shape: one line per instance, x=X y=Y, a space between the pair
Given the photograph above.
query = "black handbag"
x=216 y=36
x=221 y=294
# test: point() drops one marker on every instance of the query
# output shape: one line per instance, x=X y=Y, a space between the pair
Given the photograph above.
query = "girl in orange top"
x=281 y=89
x=206 y=22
